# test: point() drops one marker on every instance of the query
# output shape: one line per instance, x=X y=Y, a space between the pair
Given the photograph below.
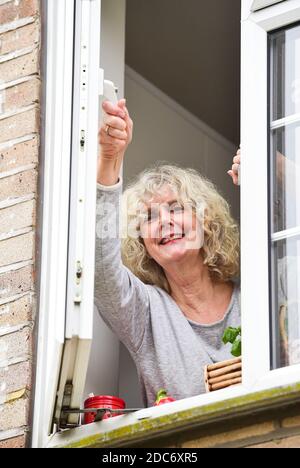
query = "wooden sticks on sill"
x=223 y=374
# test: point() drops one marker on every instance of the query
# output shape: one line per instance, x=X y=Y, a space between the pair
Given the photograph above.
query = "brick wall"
x=19 y=151
x=278 y=428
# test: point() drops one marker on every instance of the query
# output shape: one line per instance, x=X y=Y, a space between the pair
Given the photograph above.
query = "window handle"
x=107 y=89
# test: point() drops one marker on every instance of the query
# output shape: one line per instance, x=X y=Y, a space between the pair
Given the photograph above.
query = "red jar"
x=102 y=401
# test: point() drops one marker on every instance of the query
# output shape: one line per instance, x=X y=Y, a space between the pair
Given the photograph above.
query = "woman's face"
x=170 y=230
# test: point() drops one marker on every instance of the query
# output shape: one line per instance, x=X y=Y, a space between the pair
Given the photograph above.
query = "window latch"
x=79 y=270
x=82 y=140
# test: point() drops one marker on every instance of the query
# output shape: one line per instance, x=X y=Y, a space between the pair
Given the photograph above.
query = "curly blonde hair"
x=221 y=232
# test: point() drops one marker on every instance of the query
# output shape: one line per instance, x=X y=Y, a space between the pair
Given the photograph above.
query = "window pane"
x=286 y=306
x=285 y=196
x=285 y=60
x=285 y=150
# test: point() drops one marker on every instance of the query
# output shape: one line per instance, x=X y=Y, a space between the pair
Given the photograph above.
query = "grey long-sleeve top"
x=168 y=349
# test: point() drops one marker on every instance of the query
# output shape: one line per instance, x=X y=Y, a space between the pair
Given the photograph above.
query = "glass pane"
x=286 y=305
x=285 y=196
x=285 y=148
x=285 y=62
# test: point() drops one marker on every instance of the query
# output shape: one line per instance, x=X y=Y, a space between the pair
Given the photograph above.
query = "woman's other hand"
x=234 y=172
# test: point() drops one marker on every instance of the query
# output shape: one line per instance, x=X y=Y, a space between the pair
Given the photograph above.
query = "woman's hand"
x=115 y=133
x=234 y=172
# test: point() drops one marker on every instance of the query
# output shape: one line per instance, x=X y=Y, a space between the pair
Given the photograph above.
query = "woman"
x=169 y=288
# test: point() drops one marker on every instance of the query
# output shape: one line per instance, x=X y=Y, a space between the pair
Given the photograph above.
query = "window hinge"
x=100 y=412
x=65 y=404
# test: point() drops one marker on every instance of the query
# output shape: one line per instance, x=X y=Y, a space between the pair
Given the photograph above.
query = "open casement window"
x=73 y=81
x=270 y=73
x=270 y=200
x=284 y=184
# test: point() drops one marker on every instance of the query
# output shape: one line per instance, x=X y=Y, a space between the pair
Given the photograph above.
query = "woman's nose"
x=166 y=216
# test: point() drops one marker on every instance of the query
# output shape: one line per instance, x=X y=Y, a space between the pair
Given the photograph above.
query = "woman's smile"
x=171 y=241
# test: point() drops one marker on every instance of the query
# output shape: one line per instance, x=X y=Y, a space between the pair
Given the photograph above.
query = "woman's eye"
x=177 y=208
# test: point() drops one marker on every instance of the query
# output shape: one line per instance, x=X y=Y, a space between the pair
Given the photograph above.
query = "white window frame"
x=66 y=300
x=260 y=4
x=254 y=208
x=254 y=196
x=57 y=140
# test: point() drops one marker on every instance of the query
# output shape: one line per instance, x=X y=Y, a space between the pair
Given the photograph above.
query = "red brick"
x=20 y=38
x=19 y=125
x=18 y=185
x=20 y=154
x=22 y=95
x=291 y=422
x=16 y=347
x=289 y=442
x=16 y=376
x=236 y=435
x=19 y=67
x=16 y=217
x=17 y=249
x=14 y=414
x=13 y=11
x=15 y=282
x=16 y=312
x=15 y=443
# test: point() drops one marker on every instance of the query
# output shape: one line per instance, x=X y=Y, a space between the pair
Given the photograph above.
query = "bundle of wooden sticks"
x=223 y=374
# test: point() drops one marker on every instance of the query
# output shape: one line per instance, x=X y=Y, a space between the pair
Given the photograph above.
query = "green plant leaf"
x=236 y=349
x=231 y=334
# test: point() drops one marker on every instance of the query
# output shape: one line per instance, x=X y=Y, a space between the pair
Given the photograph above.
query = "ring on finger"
x=107 y=130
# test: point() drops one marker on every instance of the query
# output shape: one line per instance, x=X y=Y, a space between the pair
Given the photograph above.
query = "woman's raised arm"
x=121 y=298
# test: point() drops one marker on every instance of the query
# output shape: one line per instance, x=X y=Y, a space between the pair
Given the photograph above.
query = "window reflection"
x=286 y=258
x=286 y=68
x=285 y=195
x=286 y=177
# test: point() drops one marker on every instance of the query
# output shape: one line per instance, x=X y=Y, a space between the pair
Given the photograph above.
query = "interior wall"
x=163 y=130
x=191 y=51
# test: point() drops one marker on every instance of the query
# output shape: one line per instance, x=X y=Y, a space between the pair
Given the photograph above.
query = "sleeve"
x=122 y=299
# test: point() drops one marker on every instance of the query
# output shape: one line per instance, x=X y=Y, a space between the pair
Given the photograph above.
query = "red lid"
x=104 y=401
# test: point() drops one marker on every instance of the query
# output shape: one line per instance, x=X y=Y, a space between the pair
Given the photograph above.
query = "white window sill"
x=178 y=416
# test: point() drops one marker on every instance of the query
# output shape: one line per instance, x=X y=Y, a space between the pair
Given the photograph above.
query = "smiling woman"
x=167 y=200
x=169 y=301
